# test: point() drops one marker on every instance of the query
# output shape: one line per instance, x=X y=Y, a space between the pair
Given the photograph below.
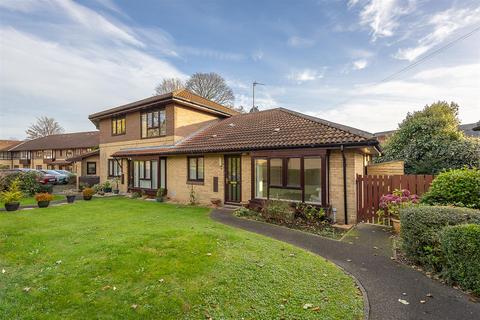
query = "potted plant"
x=43 y=199
x=107 y=187
x=116 y=190
x=88 y=193
x=11 y=198
x=70 y=195
x=160 y=195
x=390 y=205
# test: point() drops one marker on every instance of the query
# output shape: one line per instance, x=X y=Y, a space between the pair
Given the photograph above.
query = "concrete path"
x=384 y=280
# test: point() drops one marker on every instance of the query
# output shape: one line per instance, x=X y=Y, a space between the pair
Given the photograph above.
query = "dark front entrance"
x=233 y=179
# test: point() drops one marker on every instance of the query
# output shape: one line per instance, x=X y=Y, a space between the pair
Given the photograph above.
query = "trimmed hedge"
x=421 y=230
x=461 y=248
x=459 y=187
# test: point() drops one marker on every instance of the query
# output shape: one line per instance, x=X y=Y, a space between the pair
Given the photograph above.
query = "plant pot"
x=116 y=191
x=396 y=225
x=87 y=198
x=71 y=199
x=12 y=206
x=107 y=190
x=159 y=199
x=43 y=204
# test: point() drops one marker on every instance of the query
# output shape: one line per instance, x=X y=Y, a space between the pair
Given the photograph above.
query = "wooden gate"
x=370 y=188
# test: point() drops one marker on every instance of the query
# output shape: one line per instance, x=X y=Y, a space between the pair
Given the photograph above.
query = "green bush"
x=420 y=231
x=459 y=187
x=277 y=211
x=45 y=188
x=245 y=212
x=28 y=182
x=461 y=248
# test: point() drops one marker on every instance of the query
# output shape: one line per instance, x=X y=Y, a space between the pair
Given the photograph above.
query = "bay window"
x=290 y=178
x=146 y=174
x=153 y=123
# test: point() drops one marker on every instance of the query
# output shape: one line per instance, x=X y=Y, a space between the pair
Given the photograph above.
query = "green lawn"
x=120 y=258
x=31 y=200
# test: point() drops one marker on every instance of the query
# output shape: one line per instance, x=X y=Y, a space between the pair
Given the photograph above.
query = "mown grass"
x=31 y=200
x=132 y=259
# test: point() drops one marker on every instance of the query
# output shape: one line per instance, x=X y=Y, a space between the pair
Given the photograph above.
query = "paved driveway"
x=384 y=280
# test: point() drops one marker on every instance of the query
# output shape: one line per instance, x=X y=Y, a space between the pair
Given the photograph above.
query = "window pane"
x=146 y=184
x=114 y=127
x=154 y=174
x=313 y=177
x=286 y=194
x=293 y=173
x=144 y=125
x=141 y=168
x=147 y=170
x=155 y=119
x=260 y=178
x=276 y=170
x=163 y=127
x=136 y=179
x=162 y=172
x=192 y=168
x=200 y=169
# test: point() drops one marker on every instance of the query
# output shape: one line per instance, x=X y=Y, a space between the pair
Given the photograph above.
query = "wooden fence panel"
x=371 y=188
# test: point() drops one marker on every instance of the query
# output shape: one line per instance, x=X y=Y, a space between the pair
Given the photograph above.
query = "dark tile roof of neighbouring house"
x=61 y=141
x=6 y=145
x=84 y=156
x=182 y=96
x=270 y=129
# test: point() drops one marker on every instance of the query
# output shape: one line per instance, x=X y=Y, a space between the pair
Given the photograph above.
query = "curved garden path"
x=366 y=255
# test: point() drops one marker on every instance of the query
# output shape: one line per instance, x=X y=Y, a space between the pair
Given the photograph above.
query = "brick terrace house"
x=52 y=152
x=6 y=157
x=180 y=141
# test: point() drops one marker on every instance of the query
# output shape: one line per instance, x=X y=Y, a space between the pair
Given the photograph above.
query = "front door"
x=233 y=179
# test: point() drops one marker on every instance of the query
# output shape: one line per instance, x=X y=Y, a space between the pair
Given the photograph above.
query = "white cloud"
x=382 y=16
x=306 y=75
x=444 y=24
x=360 y=64
x=299 y=42
x=257 y=55
x=382 y=107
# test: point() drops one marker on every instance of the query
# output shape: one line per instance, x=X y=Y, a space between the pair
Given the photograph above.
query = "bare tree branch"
x=169 y=85
x=212 y=87
x=44 y=126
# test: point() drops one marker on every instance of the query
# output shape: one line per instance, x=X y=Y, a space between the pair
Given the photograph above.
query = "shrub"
x=390 y=204
x=193 y=196
x=160 y=193
x=88 y=192
x=459 y=187
x=461 y=248
x=136 y=195
x=245 y=212
x=309 y=213
x=420 y=231
x=28 y=182
x=97 y=187
x=45 y=188
x=278 y=211
x=13 y=194
x=43 y=197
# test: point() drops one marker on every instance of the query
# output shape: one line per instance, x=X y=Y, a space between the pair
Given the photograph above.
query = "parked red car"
x=43 y=178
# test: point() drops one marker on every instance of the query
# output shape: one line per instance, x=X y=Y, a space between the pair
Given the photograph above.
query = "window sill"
x=160 y=136
x=195 y=182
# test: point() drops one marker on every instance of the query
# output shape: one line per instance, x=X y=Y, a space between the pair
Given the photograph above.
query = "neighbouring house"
x=7 y=157
x=53 y=151
x=188 y=145
x=469 y=129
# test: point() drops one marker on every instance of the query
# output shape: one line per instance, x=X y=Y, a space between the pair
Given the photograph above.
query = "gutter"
x=344 y=183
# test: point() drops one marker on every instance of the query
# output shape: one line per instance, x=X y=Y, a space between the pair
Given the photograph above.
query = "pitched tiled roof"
x=61 y=141
x=269 y=129
x=182 y=96
x=5 y=145
x=84 y=155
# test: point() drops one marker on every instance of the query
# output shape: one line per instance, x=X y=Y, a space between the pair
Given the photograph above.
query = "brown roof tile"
x=61 y=141
x=181 y=96
x=5 y=145
x=269 y=129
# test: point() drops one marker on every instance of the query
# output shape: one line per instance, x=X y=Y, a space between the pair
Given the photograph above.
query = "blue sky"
x=326 y=58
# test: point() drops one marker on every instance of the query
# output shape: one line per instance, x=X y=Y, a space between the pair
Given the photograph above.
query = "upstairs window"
x=153 y=124
x=118 y=126
x=195 y=169
x=47 y=154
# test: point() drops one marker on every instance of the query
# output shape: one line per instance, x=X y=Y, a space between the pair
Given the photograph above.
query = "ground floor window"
x=149 y=174
x=114 y=168
x=92 y=168
x=296 y=178
x=195 y=169
x=39 y=167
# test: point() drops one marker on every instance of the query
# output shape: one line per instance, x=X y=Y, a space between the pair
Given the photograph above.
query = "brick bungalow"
x=182 y=142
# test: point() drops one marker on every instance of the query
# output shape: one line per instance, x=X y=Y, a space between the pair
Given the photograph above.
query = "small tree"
x=211 y=86
x=169 y=85
x=44 y=126
x=429 y=141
